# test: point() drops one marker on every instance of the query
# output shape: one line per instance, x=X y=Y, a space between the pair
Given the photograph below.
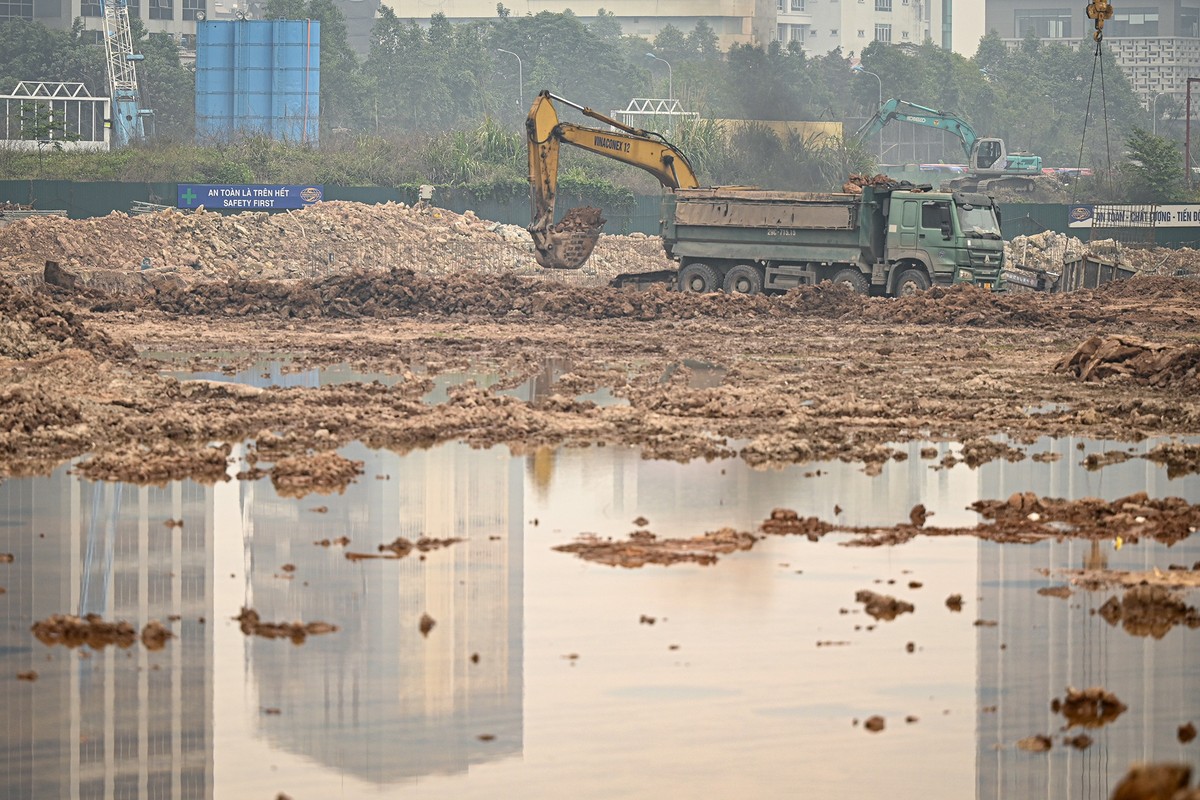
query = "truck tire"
x=852 y=278
x=911 y=281
x=743 y=279
x=699 y=278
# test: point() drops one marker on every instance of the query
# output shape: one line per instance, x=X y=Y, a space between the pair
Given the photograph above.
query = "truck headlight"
x=966 y=275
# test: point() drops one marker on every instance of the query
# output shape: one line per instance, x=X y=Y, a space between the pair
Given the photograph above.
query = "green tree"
x=1154 y=172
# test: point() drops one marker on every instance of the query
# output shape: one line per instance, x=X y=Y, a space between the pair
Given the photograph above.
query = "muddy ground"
x=818 y=373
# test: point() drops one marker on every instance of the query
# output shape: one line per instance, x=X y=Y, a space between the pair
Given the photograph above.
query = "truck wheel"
x=699 y=278
x=743 y=279
x=910 y=282
x=852 y=278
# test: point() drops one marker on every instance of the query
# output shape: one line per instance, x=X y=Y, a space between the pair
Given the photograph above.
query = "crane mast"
x=129 y=119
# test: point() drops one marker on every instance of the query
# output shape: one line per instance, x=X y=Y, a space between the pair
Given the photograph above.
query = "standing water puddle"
x=543 y=675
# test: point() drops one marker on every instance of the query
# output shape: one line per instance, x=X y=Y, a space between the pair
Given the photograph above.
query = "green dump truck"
x=886 y=241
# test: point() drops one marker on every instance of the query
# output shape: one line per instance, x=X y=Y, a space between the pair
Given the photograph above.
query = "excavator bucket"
x=570 y=243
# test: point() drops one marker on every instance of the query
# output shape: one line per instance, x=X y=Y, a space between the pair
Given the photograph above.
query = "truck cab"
x=954 y=236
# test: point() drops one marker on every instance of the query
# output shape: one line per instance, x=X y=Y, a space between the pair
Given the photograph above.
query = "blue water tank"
x=258 y=77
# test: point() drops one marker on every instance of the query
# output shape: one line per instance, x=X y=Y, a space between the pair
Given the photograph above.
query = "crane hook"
x=1099 y=10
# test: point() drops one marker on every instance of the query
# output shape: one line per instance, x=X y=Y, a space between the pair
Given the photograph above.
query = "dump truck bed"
x=726 y=223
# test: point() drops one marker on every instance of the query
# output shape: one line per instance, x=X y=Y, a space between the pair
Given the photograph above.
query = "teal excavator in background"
x=989 y=164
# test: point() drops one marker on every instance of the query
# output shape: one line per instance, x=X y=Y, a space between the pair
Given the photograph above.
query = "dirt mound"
x=1145 y=363
x=34 y=324
x=319 y=240
x=400 y=292
x=966 y=305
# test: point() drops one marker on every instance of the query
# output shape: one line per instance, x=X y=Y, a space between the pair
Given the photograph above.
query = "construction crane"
x=129 y=121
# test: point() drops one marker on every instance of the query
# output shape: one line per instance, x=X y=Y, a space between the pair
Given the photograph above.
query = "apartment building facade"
x=822 y=25
x=1156 y=42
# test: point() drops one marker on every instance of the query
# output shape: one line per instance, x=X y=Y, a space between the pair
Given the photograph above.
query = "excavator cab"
x=989 y=156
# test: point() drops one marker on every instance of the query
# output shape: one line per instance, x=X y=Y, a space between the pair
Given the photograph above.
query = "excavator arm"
x=568 y=244
x=904 y=111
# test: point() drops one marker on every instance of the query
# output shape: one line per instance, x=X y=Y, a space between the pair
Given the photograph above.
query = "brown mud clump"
x=1161 y=781
x=1144 y=363
x=1088 y=708
x=91 y=630
x=1186 y=733
x=158 y=464
x=1149 y=611
x=30 y=676
x=1035 y=744
x=874 y=724
x=7 y=558
x=882 y=606
x=155 y=635
x=426 y=624
x=954 y=602
x=785 y=522
x=296 y=631
x=325 y=473
x=643 y=547
x=401 y=548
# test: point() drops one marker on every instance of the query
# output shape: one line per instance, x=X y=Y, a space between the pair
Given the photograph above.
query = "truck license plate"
x=986 y=285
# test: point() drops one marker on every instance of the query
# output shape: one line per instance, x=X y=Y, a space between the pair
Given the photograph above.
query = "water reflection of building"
x=1050 y=643
x=377 y=699
x=122 y=723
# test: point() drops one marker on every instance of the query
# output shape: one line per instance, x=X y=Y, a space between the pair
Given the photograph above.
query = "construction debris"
x=1145 y=363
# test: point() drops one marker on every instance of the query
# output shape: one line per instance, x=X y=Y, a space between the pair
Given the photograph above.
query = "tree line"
x=421 y=80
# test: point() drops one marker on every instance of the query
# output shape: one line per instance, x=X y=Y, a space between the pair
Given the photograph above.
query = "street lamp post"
x=520 y=76
x=670 y=75
x=1154 y=112
x=858 y=68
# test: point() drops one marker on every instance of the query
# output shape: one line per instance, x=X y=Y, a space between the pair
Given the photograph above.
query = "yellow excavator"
x=569 y=243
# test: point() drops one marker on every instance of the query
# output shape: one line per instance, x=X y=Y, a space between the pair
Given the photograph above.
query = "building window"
x=883 y=5
x=135 y=8
x=883 y=33
x=862 y=34
x=1047 y=23
x=904 y=35
x=779 y=5
x=1189 y=23
x=833 y=32
x=162 y=9
x=90 y=8
x=190 y=7
x=16 y=9
x=782 y=33
x=1138 y=22
x=797 y=5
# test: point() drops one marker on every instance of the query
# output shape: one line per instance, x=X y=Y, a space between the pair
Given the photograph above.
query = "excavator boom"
x=568 y=244
x=904 y=111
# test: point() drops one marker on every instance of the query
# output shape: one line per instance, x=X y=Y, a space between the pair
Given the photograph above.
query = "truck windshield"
x=978 y=221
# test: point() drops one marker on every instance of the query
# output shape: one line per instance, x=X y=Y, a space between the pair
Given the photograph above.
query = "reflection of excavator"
x=569 y=243
x=989 y=164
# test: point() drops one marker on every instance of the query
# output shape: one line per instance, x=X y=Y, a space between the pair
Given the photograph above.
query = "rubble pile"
x=32 y=326
x=1145 y=363
x=1048 y=251
x=1042 y=252
x=122 y=253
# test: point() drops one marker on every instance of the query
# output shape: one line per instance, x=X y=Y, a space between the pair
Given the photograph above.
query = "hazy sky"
x=968 y=26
